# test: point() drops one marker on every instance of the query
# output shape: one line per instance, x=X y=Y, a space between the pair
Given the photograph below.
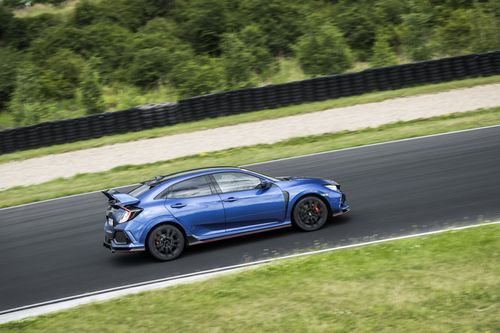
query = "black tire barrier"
x=248 y=100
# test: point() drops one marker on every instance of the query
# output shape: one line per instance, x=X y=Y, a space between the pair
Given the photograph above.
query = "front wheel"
x=166 y=242
x=310 y=213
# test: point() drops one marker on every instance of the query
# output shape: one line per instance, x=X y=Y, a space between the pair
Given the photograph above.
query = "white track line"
x=107 y=294
x=287 y=158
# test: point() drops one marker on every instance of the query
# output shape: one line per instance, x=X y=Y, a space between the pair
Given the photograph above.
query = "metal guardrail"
x=247 y=100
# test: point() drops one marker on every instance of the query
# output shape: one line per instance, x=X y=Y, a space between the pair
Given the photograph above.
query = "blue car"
x=168 y=213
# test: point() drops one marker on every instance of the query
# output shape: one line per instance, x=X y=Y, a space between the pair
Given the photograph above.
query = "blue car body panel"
x=215 y=215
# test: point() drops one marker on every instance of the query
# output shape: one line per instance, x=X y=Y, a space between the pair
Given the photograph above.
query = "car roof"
x=191 y=173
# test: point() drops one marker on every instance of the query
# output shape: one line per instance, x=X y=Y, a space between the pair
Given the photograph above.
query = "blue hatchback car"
x=168 y=213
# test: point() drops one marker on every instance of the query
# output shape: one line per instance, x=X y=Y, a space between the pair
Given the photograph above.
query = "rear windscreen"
x=139 y=190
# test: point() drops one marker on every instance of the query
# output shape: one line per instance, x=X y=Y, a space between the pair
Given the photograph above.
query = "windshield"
x=260 y=173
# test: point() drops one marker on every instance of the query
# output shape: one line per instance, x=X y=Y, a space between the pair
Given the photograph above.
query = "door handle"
x=178 y=205
x=230 y=199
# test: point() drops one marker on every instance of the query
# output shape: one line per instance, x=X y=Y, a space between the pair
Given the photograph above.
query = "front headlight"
x=333 y=187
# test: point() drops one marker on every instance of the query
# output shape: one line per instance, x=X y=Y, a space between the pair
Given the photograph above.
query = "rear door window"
x=194 y=187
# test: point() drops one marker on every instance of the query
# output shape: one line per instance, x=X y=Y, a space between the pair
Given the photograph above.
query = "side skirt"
x=195 y=241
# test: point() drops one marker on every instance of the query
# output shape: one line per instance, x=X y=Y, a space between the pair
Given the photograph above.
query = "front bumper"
x=342 y=206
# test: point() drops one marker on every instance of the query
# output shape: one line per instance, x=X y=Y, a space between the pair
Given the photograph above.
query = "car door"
x=246 y=204
x=197 y=206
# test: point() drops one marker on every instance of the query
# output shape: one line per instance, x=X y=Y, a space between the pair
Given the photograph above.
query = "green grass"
x=129 y=174
x=442 y=283
x=249 y=117
x=122 y=96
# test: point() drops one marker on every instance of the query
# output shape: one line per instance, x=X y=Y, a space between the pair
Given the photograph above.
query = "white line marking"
x=286 y=158
x=107 y=294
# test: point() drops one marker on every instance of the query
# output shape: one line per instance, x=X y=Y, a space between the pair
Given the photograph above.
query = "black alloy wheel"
x=166 y=242
x=310 y=213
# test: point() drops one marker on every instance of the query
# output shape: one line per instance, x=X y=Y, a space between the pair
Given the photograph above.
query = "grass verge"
x=249 y=117
x=129 y=174
x=442 y=283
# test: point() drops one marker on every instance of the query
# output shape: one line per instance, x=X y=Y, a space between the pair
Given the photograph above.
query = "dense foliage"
x=54 y=60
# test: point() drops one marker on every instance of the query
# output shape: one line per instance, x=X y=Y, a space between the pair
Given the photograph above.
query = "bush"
x=91 y=92
x=153 y=53
x=56 y=38
x=238 y=61
x=86 y=13
x=61 y=76
x=280 y=21
x=382 y=54
x=109 y=43
x=12 y=29
x=198 y=76
x=149 y=66
x=25 y=105
x=485 y=27
x=202 y=23
x=6 y=21
x=455 y=36
x=416 y=33
x=323 y=51
x=8 y=66
x=255 y=40
x=357 y=26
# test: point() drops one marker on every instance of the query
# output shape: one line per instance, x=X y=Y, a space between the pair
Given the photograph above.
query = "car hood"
x=295 y=180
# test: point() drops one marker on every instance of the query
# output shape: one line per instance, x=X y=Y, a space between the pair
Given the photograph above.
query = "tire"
x=310 y=213
x=166 y=242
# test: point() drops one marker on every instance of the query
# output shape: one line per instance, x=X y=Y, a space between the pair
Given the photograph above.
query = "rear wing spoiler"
x=123 y=199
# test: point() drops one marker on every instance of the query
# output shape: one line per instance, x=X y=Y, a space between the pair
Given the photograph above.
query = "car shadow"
x=141 y=258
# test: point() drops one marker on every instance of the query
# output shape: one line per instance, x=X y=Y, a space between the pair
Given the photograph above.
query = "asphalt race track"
x=54 y=249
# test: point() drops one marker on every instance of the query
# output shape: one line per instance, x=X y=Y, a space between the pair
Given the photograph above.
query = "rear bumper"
x=122 y=249
x=120 y=241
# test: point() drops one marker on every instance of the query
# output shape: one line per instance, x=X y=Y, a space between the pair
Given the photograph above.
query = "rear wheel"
x=310 y=213
x=166 y=242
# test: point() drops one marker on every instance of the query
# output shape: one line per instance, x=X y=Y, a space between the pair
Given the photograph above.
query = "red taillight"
x=129 y=213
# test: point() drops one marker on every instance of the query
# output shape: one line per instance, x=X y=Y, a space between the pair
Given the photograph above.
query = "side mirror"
x=264 y=184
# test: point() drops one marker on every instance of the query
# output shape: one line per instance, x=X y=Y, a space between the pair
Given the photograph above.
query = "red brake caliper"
x=316 y=209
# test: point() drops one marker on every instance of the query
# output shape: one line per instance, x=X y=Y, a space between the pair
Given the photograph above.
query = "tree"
x=91 y=92
x=323 y=51
x=238 y=61
x=382 y=53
